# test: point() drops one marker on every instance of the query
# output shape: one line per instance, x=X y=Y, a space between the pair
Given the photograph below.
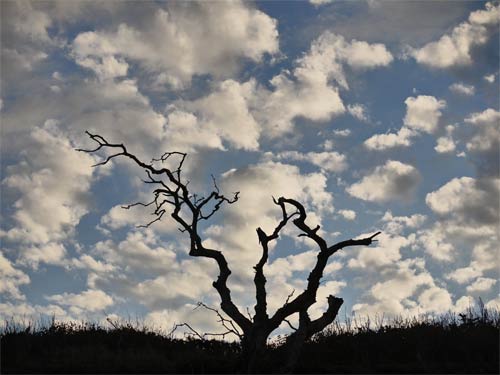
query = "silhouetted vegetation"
x=463 y=343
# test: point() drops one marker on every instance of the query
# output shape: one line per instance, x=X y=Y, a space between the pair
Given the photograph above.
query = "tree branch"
x=178 y=195
x=304 y=300
x=260 y=279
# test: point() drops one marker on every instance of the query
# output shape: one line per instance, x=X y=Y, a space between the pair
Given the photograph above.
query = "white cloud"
x=189 y=281
x=27 y=21
x=88 y=300
x=455 y=49
x=490 y=78
x=330 y=51
x=348 y=214
x=11 y=279
x=385 y=141
x=140 y=250
x=396 y=224
x=85 y=261
x=487 y=133
x=445 y=145
x=393 y=180
x=184 y=40
x=462 y=89
x=116 y=110
x=482 y=284
x=310 y=90
x=297 y=96
x=49 y=253
x=358 y=111
x=286 y=266
x=105 y=67
x=467 y=197
x=342 y=132
x=50 y=178
x=386 y=253
x=184 y=133
x=488 y=16
x=328 y=161
x=10 y=310
x=435 y=243
x=463 y=275
x=435 y=299
x=423 y=113
x=317 y=3
x=468 y=218
x=226 y=113
x=399 y=288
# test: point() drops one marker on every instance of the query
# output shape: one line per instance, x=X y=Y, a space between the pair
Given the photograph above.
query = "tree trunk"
x=254 y=346
x=293 y=347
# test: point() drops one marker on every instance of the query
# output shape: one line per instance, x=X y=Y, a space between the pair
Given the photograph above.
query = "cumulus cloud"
x=422 y=115
x=139 y=250
x=402 y=286
x=330 y=51
x=223 y=115
x=467 y=215
x=115 y=110
x=342 y=132
x=181 y=41
x=386 y=253
x=358 y=111
x=396 y=224
x=50 y=178
x=330 y=161
x=482 y=284
x=317 y=3
x=474 y=201
x=462 y=89
x=348 y=214
x=488 y=133
x=463 y=275
x=435 y=243
x=9 y=310
x=402 y=138
x=490 y=78
x=445 y=145
x=455 y=49
x=188 y=283
x=310 y=90
x=50 y=253
x=25 y=40
x=89 y=300
x=393 y=180
x=286 y=266
x=11 y=279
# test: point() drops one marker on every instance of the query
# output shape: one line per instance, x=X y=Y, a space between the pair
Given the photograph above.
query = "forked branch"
x=174 y=193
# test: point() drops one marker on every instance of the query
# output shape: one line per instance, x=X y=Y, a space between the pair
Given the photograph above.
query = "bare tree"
x=172 y=196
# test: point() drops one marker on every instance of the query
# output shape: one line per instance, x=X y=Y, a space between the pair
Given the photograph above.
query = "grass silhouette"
x=449 y=343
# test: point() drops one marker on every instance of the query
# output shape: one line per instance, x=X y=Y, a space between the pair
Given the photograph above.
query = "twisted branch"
x=174 y=192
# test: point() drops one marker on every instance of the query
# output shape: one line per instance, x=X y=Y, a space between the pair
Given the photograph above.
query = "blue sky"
x=377 y=115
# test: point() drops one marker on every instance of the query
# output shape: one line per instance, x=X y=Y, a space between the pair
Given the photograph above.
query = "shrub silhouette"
x=188 y=209
x=466 y=343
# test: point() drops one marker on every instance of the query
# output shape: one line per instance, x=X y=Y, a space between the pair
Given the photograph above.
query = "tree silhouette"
x=172 y=195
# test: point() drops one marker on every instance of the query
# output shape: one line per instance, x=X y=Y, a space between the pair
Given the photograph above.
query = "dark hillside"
x=451 y=344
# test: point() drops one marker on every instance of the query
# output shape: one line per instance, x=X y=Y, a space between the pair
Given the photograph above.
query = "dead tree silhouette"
x=188 y=210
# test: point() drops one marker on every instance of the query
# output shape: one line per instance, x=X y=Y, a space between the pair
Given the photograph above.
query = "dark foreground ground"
x=452 y=344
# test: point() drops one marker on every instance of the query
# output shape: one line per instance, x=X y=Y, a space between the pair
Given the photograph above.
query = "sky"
x=376 y=115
